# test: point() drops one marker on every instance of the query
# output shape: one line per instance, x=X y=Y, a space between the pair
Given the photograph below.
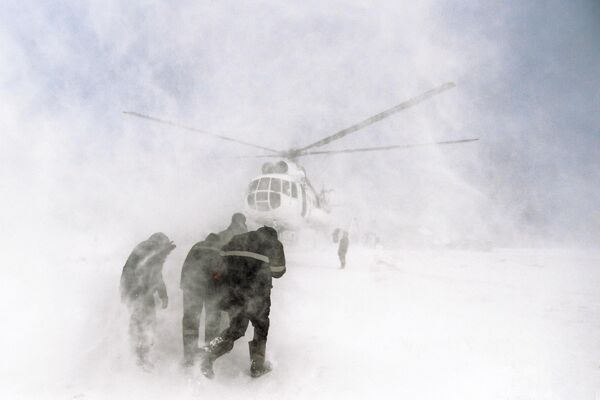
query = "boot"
x=206 y=365
x=215 y=349
x=258 y=366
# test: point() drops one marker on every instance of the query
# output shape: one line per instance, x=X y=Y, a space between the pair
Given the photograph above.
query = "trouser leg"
x=260 y=317
x=342 y=257
x=192 y=308
x=212 y=324
x=141 y=331
x=223 y=343
x=260 y=322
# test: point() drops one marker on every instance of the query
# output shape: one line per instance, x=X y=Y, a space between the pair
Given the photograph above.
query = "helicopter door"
x=303 y=200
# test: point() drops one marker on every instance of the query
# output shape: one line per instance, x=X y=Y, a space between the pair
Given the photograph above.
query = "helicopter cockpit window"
x=262 y=196
x=275 y=199
x=294 y=191
x=253 y=185
x=276 y=185
x=264 y=184
x=286 y=188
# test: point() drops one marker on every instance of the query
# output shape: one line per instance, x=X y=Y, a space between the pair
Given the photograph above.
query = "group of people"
x=227 y=273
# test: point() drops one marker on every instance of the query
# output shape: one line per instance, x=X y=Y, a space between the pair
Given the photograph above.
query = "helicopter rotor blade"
x=278 y=155
x=325 y=152
x=191 y=129
x=380 y=148
x=248 y=156
x=375 y=118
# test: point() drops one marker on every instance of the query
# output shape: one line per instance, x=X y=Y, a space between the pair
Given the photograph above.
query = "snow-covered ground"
x=419 y=324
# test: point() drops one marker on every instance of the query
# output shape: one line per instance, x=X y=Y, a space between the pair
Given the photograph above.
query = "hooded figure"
x=200 y=276
x=251 y=261
x=237 y=227
x=141 y=279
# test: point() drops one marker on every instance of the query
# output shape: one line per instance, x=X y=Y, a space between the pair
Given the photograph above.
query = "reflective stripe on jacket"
x=276 y=270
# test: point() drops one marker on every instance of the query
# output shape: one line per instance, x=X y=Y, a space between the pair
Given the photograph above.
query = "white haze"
x=82 y=183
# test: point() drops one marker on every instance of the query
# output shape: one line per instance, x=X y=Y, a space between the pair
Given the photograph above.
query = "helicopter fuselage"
x=283 y=197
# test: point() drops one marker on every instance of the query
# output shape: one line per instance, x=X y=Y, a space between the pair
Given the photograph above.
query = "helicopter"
x=282 y=196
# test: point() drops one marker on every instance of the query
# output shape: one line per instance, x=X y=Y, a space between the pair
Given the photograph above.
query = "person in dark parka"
x=200 y=277
x=251 y=261
x=200 y=274
x=141 y=279
x=343 y=249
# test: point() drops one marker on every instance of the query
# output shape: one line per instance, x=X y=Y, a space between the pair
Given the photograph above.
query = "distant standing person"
x=200 y=276
x=140 y=280
x=343 y=249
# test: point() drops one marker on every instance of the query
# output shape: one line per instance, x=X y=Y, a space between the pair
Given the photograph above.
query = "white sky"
x=287 y=75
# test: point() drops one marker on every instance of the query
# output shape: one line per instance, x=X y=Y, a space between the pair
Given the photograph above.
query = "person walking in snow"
x=343 y=249
x=141 y=279
x=251 y=261
x=200 y=276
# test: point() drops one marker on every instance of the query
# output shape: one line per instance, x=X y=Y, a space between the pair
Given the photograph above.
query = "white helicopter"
x=282 y=196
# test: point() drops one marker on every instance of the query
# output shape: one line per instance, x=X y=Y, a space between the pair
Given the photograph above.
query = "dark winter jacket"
x=251 y=261
x=202 y=266
x=142 y=273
